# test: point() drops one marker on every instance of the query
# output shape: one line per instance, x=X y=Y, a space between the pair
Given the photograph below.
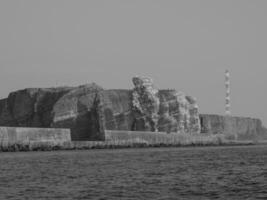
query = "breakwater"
x=216 y=130
x=114 y=139
x=20 y=139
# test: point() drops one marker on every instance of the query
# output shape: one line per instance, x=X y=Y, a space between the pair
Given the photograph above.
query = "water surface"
x=148 y=173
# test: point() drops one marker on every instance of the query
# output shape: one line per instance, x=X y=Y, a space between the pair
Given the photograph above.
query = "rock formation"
x=194 y=120
x=241 y=128
x=163 y=110
x=30 y=107
x=88 y=110
x=79 y=110
x=180 y=110
x=145 y=104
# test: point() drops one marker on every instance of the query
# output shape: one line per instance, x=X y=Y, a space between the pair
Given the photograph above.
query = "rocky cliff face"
x=30 y=107
x=240 y=128
x=116 y=109
x=163 y=110
x=79 y=110
x=264 y=133
x=145 y=104
x=88 y=110
x=178 y=112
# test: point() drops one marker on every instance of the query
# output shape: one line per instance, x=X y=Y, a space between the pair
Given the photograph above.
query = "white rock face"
x=183 y=110
x=146 y=102
x=163 y=110
x=194 y=121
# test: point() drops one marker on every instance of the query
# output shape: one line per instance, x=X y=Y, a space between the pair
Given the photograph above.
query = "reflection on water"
x=154 y=173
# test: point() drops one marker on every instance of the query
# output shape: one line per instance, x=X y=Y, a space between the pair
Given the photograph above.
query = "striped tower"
x=227 y=100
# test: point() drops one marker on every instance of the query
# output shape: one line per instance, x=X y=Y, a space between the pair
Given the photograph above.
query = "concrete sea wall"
x=132 y=138
x=31 y=138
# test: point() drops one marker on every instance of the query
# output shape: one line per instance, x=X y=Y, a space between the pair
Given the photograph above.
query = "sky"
x=185 y=45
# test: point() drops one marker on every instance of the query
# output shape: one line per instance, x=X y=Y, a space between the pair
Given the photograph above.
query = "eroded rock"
x=163 y=110
x=145 y=104
x=30 y=107
x=79 y=110
x=180 y=111
x=88 y=110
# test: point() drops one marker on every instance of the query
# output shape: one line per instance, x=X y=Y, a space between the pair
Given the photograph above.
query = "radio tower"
x=227 y=99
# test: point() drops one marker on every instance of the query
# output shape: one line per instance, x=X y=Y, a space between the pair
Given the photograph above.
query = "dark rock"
x=116 y=109
x=30 y=107
x=79 y=111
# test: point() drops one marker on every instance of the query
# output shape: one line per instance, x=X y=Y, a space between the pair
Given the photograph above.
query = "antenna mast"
x=227 y=99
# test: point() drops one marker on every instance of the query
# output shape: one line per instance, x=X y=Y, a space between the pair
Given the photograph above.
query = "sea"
x=224 y=172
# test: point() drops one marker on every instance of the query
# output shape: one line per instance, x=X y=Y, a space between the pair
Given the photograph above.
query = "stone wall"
x=241 y=128
x=33 y=136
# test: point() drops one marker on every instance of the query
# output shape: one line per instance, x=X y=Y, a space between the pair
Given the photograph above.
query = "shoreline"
x=122 y=139
x=90 y=145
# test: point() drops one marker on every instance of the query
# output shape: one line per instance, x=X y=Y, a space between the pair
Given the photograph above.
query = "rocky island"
x=92 y=113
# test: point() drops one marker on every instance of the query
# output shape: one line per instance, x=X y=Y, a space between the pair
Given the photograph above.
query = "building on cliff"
x=89 y=110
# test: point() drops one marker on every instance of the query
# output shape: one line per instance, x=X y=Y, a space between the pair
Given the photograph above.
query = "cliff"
x=241 y=128
x=163 y=110
x=89 y=110
x=30 y=107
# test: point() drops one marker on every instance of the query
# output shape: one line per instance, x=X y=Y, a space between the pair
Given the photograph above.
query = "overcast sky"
x=186 y=45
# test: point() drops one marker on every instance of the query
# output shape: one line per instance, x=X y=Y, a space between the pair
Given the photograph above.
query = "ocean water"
x=145 y=173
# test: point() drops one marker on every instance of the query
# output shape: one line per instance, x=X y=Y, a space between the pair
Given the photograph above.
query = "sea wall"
x=147 y=138
x=11 y=137
x=241 y=128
